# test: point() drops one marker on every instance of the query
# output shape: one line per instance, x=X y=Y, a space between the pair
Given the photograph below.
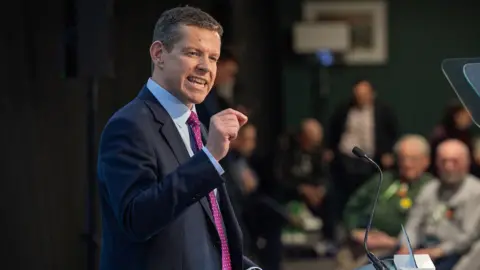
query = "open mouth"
x=197 y=81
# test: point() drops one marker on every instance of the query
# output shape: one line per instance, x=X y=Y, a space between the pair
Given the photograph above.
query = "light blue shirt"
x=179 y=113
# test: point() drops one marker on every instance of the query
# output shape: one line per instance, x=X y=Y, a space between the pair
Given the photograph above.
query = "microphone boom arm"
x=376 y=262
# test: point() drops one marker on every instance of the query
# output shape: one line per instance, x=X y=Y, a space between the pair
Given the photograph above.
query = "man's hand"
x=224 y=127
x=387 y=160
x=403 y=250
x=434 y=253
x=313 y=194
x=376 y=239
x=249 y=181
x=357 y=235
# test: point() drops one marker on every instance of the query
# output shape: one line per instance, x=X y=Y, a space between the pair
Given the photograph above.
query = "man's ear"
x=157 y=52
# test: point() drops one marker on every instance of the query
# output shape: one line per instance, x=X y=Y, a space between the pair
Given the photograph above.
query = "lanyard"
x=439 y=212
x=391 y=190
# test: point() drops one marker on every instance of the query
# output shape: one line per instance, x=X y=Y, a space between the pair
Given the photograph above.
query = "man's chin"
x=197 y=99
x=451 y=179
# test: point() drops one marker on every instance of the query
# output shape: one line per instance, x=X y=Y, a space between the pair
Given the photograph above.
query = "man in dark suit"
x=163 y=198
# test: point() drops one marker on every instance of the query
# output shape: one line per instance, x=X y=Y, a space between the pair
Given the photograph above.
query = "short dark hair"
x=363 y=80
x=166 y=28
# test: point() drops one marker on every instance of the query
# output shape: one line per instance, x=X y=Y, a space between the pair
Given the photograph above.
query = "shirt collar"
x=178 y=111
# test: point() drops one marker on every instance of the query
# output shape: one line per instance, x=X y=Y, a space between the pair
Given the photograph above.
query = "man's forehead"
x=200 y=38
x=452 y=150
x=411 y=147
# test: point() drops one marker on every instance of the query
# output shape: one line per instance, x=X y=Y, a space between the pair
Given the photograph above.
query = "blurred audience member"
x=241 y=149
x=302 y=175
x=400 y=187
x=445 y=220
x=300 y=169
x=221 y=96
x=364 y=122
x=455 y=124
x=243 y=181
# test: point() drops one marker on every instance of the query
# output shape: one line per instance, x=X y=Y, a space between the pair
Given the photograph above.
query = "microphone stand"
x=376 y=262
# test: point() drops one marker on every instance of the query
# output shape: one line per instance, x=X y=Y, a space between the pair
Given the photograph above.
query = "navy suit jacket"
x=155 y=213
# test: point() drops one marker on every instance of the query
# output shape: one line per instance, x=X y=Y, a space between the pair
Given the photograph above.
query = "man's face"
x=412 y=162
x=452 y=164
x=312 y=132
x=463 y=120
x=363 y=93
x=189 y=69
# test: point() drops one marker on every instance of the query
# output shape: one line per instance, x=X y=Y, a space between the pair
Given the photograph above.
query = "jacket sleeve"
x=416 y=216
x=142 y=200
x=249 y=265
x=471 y=229
x=356 y=211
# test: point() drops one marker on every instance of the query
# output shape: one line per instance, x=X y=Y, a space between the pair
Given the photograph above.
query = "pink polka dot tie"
x=194 y=124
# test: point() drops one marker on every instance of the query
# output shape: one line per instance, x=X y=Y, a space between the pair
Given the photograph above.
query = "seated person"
x=299 y=174
x=398 y=190
x=243 y=181
x=301 y=171
x=444 y=222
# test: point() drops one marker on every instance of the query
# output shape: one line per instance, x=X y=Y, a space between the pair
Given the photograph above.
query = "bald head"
x=413 y=152
x=311 y=132
x=453 y=161
x=453 y=147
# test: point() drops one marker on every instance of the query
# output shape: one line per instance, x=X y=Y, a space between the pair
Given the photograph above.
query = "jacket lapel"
x=168 y=129
x=171 y=135
x=204 y=201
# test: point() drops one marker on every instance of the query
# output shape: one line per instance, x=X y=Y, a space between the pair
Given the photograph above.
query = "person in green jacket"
x=397 y=193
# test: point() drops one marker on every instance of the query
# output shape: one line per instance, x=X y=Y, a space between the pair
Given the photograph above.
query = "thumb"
x=242 y=118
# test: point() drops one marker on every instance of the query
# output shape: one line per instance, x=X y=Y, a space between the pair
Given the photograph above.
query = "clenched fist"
x=224 y=127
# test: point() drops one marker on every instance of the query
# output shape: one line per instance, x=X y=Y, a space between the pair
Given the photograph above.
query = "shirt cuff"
x=215 y=163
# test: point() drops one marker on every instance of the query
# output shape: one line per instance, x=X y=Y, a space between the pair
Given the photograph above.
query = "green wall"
x=420 y=36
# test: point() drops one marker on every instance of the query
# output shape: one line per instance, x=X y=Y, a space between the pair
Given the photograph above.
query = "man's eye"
x=192 y=53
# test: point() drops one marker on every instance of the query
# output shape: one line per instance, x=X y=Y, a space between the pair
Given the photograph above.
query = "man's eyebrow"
x=190 y=48
x=215 y=54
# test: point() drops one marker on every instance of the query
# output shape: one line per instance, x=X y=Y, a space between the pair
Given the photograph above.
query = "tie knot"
x=193 y=119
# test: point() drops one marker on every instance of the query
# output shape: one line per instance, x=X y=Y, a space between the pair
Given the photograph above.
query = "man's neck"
x=174 y=93
x=452 y=186
x=366 y=106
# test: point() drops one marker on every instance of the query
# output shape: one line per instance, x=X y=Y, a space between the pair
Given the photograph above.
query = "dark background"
x=43 y=112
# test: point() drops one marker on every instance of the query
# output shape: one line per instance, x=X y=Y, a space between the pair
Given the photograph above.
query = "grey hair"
x=419 y=139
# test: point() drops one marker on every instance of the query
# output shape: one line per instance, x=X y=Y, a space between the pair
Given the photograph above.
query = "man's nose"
x=203 y=65
x=449 y=166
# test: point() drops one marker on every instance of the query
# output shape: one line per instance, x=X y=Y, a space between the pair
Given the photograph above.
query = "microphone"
x=376 y=262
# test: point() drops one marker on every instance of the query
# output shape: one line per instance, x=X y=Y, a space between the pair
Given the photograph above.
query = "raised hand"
x=224 y=127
